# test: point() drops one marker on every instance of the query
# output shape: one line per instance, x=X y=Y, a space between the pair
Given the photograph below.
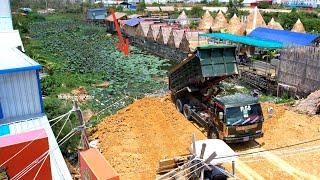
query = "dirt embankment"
x=137 y=137
x=150 y=129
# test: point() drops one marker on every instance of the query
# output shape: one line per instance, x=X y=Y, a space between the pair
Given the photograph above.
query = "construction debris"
x=310 y=105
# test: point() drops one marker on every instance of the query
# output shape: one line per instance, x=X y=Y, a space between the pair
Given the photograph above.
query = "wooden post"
x=233 y=168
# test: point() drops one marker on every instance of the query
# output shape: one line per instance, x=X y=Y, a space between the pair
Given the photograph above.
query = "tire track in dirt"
x=285 y=166
x=247 y=171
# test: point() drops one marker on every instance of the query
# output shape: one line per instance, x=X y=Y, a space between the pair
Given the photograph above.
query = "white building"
x=21 y=105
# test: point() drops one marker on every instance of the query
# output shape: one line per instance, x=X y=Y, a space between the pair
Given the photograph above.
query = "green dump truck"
x=194 y=84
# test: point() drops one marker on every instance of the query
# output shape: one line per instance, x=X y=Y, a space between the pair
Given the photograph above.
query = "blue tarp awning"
x=287 y=38
x=251 y=41
x=133 y=21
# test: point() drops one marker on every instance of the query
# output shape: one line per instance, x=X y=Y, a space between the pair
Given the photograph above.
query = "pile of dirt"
x=137 y=137
x=310 y=105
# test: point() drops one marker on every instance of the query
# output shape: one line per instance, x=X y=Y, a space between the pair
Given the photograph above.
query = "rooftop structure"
x=5 y=16
x=96 y=14
x=287 y=38
x=247 y=40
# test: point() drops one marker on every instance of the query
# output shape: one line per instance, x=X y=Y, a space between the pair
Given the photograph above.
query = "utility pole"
x=84 y=140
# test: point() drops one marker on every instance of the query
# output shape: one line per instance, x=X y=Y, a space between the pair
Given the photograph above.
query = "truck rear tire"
x=212 y=133
x=179 y=105
x=187 y=112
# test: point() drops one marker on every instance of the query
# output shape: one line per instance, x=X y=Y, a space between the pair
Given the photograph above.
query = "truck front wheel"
x=187 y=112
x=179 y=105
x=212 y=133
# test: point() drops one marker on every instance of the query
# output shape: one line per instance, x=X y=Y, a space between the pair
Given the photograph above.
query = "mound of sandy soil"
x=137 y=137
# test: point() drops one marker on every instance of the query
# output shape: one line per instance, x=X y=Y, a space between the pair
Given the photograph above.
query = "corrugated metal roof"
x=252 y=41
x=13 y=60
x=11 y=39
x=283 y=36
x=118 y=15
x=96 y=14
x=133 y=21
x=5 y=16
x=59 y=168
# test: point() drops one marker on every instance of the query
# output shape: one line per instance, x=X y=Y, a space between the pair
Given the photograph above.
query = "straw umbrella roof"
x=143 y=28
x=206 y=22
x=183 y=20
x=220 y=22
x=298 y=27
x=274 y=25
x=236 y=26
x=164 y=34
x=175 y=37
x=184 y=44
x=254 y=20
x=154 y=31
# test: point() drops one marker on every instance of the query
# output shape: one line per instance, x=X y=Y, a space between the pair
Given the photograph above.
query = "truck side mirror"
x=220 y=115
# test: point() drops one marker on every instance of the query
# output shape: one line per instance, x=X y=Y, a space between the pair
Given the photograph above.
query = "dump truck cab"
x=236 y=118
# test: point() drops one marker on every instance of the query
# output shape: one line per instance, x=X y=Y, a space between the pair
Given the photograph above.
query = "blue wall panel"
x=19 y=94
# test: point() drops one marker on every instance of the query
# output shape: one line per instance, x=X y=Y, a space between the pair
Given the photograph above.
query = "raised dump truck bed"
x=194 y=84
x=210 y=63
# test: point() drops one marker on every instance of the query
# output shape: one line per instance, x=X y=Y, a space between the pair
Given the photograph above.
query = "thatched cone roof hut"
x=183 y=19
x=274 y=25
x=175 y=38
x=143 y=28
x=254 y=20
x=184 y=44
x=164 y=34
x=298 y=27
x=154 y=31
x=220 y=22
x=206 y=22
x=236 y=26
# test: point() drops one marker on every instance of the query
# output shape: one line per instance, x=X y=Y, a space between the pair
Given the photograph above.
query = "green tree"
x=141 y=6
x=264 y=5
x=215 y=3
x=233 y=7
x=196 y=11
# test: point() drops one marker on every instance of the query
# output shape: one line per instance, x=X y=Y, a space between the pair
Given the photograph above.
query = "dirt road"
x=137 y=137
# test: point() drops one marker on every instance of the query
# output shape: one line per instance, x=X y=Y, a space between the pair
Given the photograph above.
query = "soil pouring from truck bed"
x=151 y=129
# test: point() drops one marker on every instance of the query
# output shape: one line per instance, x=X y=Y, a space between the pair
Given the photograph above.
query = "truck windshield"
x=244 y=115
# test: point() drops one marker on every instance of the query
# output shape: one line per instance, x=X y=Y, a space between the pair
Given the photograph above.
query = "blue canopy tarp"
x=133 y=21
x=252 y=41
x=287 y=38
